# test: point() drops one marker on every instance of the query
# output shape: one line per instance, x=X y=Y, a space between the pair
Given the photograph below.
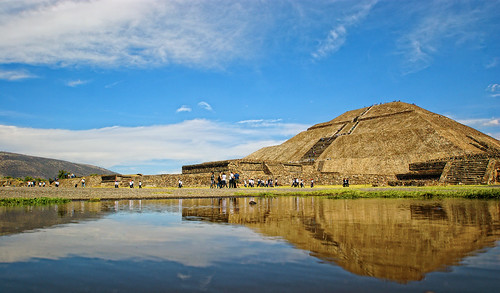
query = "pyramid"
x=385 y=139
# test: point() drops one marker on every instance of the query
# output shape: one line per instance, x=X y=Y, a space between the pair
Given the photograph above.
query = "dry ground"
x=89 y=193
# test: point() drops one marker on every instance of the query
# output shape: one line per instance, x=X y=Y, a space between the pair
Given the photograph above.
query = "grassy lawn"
x=366 y=191
x=32 y=201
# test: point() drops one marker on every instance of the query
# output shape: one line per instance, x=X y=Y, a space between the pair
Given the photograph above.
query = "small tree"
x=62 y=174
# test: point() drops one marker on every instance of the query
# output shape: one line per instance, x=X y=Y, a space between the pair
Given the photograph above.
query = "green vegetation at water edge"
x=32 y=201
x=472 y=193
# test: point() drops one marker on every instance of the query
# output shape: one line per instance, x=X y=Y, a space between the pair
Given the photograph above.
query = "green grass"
x=471 y=193
x=32 y=201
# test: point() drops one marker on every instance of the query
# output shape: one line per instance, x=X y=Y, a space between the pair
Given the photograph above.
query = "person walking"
x=236 y=179
x=212 y=180
x=223 y=181
x=231 y=180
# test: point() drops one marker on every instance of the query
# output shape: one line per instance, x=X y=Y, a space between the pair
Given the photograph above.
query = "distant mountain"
x=20 y=166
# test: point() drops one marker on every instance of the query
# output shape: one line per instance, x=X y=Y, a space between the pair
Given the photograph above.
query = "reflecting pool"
x=292 y=244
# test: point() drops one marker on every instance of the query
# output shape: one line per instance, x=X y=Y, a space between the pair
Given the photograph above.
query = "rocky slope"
x=20 y=166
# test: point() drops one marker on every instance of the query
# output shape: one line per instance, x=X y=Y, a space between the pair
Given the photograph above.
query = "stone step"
x=467 y=171
x=318 y=148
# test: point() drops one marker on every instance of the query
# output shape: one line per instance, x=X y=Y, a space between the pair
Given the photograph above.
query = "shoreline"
x=99 y=193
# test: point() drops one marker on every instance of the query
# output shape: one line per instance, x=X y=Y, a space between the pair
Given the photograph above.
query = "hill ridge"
x=20 y=165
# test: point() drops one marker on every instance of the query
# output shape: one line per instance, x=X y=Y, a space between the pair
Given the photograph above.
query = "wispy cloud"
x=194 y=141
x=260 y=122
x=205 y=106
x=494 y=90
x=481 y=122
x=183 y=108
x=337 y=36
x=113 y=84
x=14 y=75
x=439 y=25
x=492 y=63
x=493 y=122
x=75 y=83
x=126 y=33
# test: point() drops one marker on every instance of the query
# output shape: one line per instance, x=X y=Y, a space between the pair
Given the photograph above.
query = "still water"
x=287 y=244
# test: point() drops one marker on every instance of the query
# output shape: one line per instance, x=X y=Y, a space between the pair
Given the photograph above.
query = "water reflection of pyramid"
x=397 y=240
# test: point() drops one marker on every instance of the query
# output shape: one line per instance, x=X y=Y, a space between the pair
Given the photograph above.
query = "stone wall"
x=203 y=179
x=217 y=166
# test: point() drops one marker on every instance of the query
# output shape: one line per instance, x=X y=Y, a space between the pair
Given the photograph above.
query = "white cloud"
x=188 y=141
x=260 y=122
x=490 y=126
x=113 y=84
x=250 y=121
x=126 y=33
x=494 y=90
x=13 y=75
x=335 y=39
x=337 y=36
x=75 y=83
x=493 y=87
x=493 y=122
x=481 y=122
x=183 y=108
x=439 y=25
x=205 y=106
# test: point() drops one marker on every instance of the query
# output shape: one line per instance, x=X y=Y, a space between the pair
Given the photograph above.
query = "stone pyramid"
x=381 y=139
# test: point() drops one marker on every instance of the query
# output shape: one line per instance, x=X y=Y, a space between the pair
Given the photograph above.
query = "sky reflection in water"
x=285 y=244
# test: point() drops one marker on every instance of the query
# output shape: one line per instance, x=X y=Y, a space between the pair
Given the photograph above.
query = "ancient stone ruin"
x=388 y=144
x=394 y=143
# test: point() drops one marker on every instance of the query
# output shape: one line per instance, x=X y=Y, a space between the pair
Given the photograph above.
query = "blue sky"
x=148 y=86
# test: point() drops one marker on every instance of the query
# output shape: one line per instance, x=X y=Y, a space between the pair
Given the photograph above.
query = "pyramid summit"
x=381 y=139
x=392 y=141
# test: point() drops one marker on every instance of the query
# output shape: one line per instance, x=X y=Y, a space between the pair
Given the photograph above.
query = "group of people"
x=261 y=183
x=297 y=183
x=130 y=184
x=223 y=182
x=33 y=184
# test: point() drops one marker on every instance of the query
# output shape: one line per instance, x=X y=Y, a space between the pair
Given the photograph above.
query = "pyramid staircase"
x=318 y=148
x=424 y=171
x=323 y=143
x=465 y=171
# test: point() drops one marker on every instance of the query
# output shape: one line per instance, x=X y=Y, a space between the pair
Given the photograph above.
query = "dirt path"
x=159 y=193
x=128 y=193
